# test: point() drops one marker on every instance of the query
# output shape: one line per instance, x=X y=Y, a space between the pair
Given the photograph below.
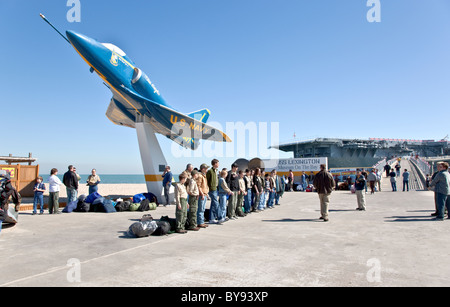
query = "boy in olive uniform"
x=193 y=193
x=181 y=204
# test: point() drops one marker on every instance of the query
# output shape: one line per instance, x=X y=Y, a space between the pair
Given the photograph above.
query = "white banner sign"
x=296 y=164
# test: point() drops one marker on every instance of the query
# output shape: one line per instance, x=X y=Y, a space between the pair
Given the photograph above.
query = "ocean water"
x=107 y=178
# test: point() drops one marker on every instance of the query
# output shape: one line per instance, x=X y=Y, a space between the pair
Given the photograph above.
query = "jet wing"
x=178 y=124
x=118 y=115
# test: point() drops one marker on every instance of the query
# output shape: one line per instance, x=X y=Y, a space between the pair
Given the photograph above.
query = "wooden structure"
x=23 y=177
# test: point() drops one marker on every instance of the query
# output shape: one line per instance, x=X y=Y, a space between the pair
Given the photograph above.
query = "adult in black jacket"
x=70 y=180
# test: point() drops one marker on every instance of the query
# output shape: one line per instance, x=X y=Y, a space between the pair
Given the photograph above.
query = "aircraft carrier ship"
x=364 y=153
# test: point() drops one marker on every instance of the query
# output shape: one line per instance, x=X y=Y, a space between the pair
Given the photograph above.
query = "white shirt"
x=54 y=183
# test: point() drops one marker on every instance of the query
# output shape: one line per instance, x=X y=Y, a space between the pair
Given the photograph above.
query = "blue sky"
x=318 y=68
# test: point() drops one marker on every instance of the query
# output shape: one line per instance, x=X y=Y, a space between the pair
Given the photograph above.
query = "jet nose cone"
x=76 y=39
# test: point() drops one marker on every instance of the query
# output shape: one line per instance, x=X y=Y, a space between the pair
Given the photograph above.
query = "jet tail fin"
x=200 y=115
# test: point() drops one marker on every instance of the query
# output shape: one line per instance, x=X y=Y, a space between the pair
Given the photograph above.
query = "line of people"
x=233 y=194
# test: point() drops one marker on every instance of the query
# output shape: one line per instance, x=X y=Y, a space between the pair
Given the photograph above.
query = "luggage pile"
x=96 y=203
x=147 y=227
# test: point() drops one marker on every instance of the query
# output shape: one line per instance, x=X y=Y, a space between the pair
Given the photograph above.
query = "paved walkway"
x=393 y=243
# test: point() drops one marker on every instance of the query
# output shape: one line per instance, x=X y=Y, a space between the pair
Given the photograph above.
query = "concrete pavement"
x=394 y=243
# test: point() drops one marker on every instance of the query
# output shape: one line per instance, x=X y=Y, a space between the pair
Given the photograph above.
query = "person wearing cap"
x=193 y=192
x=188 y=173
x=203 y=190
x=233 y=184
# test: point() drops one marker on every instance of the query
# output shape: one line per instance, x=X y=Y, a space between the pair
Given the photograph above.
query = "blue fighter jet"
x=136 y=96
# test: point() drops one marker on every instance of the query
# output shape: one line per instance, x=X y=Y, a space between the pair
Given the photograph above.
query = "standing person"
x=304 y=183
x=213 y=181
x=441 y=184
x=397 y=169
x=193 y=193
x=248 y=179
x=232 y=180
x=324 y=184
x=257 y=189
x=181 y=204
x=291 y=180
x=203 y=190
x=272 y=191
x=378 y=174
x=167 y=183
x=364 y=173
x=278 y=187
x=405 y=176
x=372 y=178
x=188 y=173
x=53 y=189
x=93 y=181
x=242 y=193
x=224 y=190
x=360 y=183
x=39 y=189
x=266 y=191
x=393 y=180
x=387 y=169
x=70 y=180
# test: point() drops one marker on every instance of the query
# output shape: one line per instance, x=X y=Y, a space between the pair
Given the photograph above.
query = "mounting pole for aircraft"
x=45 y=19
x=153 y=160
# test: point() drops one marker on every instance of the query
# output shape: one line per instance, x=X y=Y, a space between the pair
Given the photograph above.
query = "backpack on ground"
x=163 y=229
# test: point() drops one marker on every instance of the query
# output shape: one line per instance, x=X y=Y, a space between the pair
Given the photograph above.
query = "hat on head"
x=204 y=165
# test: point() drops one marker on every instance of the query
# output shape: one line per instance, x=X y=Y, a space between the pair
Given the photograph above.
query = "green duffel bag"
x=153 y=206
x=134 y=206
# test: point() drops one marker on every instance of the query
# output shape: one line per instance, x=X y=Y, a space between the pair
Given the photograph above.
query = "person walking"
x=405 y=176
x=324 y=184
x=441 y=184
x=387 y=169
x=372 y=178
x=360 y=183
